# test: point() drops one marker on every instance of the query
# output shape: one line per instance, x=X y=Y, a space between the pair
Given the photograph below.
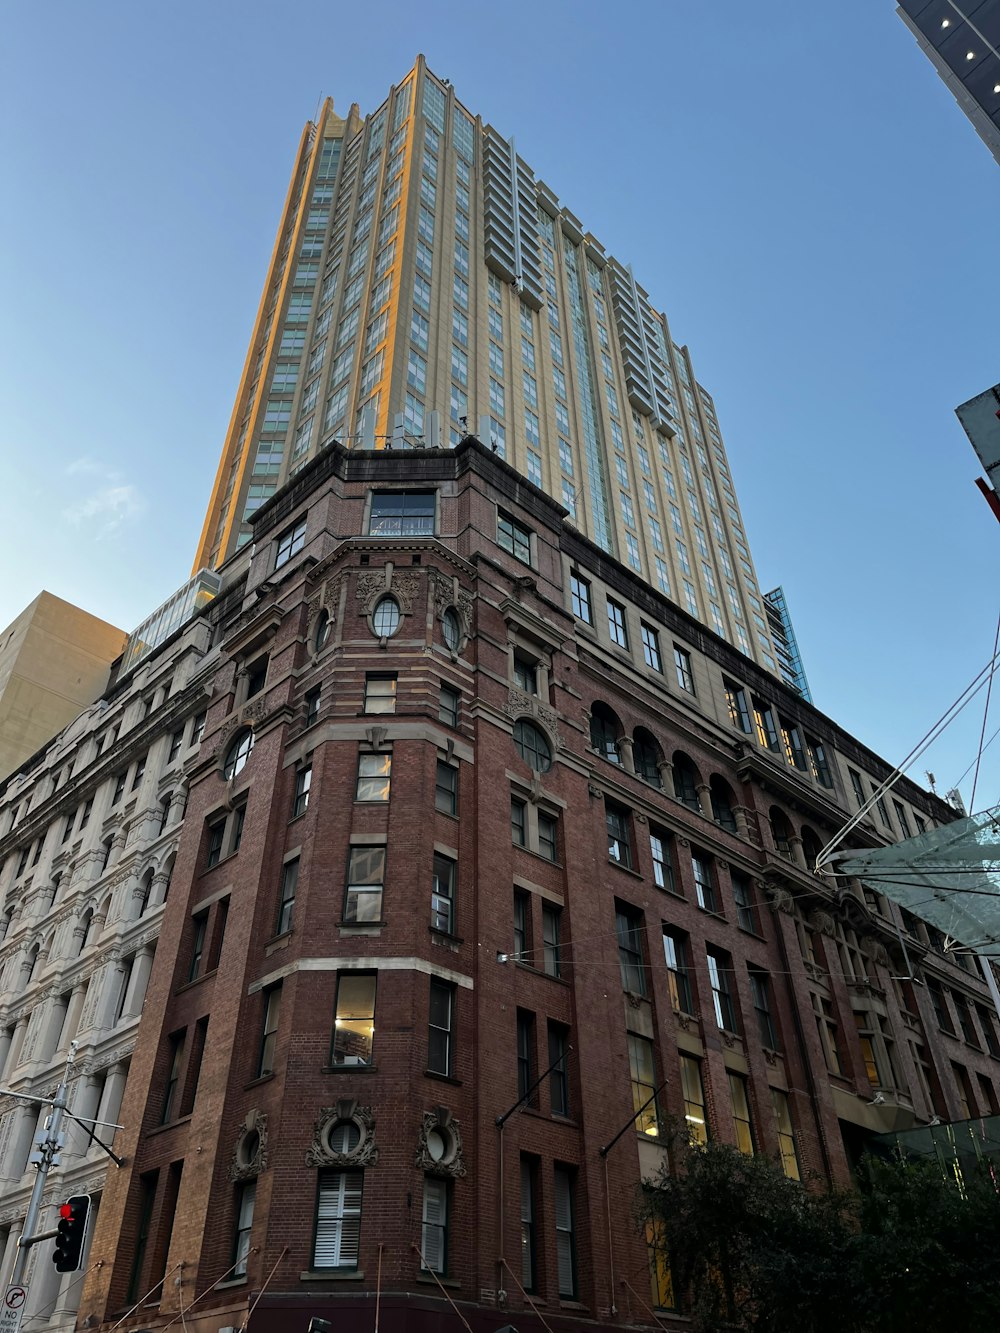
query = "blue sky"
x=794 y=186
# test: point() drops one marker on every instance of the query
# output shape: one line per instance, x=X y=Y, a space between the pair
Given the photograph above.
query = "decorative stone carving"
x=684 y=1021
x=369 y=588
x=365 y=1153
x=439 y=1148
x=250 y=1153
x=780 y=898
x=375 y=736
x=770 y=1056
x=520 y=704
x=823 y=922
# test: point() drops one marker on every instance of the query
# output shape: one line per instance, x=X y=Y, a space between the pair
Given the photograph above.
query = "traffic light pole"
x=47 y=1150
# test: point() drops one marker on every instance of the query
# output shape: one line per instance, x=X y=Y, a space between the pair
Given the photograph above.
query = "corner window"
x=443 y=895
x=374 y=777
x=380 y=694
x=303 y=782
x=365 y=878
x=440 y=1023
x=290 y=543
x=513 y=537
x=448 y=705
x=446 y=788
x=402 y=514
x=354 y=1022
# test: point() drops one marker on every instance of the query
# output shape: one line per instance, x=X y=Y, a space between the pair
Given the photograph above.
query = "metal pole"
x=47 y=1150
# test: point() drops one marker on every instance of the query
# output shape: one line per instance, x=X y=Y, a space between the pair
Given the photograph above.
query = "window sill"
x=626 y=870
x=260 y=1079
x=573 y=1305
x=171 y=1124
x=446 y=935
x=434 y=1279
x=231 y=1282
x=195 y=981
x=349 y=1069
x=708 y=911
x=539 y=856
x=229 y=856
x=443 y=1078
x=331 y=1275
x=362 y=927
x=301 y=815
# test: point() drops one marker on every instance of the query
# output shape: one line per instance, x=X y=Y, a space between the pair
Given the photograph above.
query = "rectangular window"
x=746 y=916
x=434 y=1226
x=354 y=1022
x=174 y=1067
x=616 y=624
x=739 y=709
x=380 y=694
x=440 y=1027
x=518 y=823
x=694 y=1099
x=794 y=751
x=661 y=849
x=559 y=1061
x=522 y=927
x=269 y=1032
x=904 y=823
x=526 y=1056
x=286 y=906
x=579 y=590
x=446 y=788
x=551 y=925
x=619 y=846
x=374 y=777
x=365 y=878
x=448 y=704
x=565 y=1233
x=786 y=1134
x=760 y=990
x=303 y=781
x=675 y=952
x=767 y=731
x=742 y=1125
x=818 y=762
x=245 y=1195
x=338 y=1219
x=402 y=514
x=529 y=1242
x=513 y=538
x=682 y=665
x=312 y=700
x=443 y=895
x=629 y=928
x=198 y=945
x=720 y=978
x=290 y=543
x=642 y=1072
x=650 y=646
x=704 y=882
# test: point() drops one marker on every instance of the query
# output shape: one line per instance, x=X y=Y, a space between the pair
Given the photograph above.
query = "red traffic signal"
x=71 y=1233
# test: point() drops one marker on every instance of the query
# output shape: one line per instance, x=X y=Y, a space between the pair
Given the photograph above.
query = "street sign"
x=14 y=1299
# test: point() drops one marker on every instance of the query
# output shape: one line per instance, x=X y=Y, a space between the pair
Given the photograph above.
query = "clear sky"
x=793 y=185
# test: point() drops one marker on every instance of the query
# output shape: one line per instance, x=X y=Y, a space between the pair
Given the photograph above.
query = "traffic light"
x=71 y=1233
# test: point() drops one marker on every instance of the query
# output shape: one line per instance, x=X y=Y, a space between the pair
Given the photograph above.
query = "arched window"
x=604 y=732
x=646 y=755
x=722 y=803
x=147 y=888
x=686 y=780
x=322 y=632
x=238 y=753
x=164 y=812
x=781 y=831
x=107 y=845
x=88 y=926
x=32 y=961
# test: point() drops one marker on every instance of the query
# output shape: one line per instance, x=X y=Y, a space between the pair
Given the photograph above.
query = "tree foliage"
x=911 y=1248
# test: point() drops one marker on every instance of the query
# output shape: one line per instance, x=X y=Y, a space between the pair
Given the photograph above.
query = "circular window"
x=386 y=618
x=249 y=1148
x=438 y=1144
x=322 y=630
x=452 y=629
x=344 y=1137
x=238 y=753
x=532 y=746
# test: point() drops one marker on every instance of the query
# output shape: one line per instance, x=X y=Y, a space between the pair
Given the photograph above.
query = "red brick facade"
x=175 y=1203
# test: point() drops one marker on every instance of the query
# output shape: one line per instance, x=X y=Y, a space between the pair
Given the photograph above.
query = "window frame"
x=347 y=1059
x=290 y=542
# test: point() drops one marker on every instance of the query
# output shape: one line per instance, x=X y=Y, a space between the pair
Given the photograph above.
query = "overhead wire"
x=986 y=713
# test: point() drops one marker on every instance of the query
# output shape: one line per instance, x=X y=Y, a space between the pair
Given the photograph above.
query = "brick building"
x=471 y=815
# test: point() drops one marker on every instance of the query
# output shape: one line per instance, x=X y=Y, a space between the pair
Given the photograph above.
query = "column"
x=54 y=1022
x=6 y=1040
x=87 y=1095
x=798 y=855
x=705 y=797
x=625 y=750
x=42 y=1279
x=9 y=1251
x=73 y=1012
x=142 y=965
x=111 y=1102
x=16 y=1045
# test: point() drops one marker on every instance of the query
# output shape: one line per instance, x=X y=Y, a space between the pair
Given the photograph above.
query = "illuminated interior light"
x=970 y=55
x=946 y=23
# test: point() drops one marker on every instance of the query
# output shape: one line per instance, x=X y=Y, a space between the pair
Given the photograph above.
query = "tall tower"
x=961 y=39
x=425 y=283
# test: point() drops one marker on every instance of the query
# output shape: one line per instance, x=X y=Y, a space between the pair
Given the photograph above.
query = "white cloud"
x=110 y=506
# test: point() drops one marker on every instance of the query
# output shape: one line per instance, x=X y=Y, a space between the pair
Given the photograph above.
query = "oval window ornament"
x=452 y=629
